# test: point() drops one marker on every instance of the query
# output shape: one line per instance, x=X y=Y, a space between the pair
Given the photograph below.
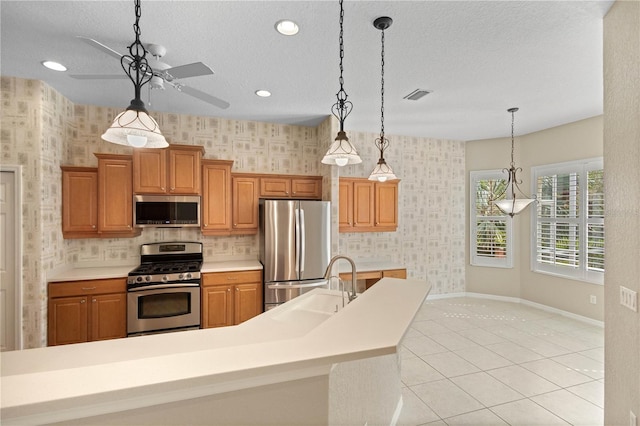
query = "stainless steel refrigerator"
x=295 y=247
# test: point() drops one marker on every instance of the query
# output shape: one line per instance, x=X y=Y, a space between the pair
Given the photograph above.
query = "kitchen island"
x=305 y=362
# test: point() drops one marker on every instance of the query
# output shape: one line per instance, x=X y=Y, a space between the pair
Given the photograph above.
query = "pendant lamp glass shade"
x=513 y=205
x=134 y=126
x=382 y=172
x=341 y=152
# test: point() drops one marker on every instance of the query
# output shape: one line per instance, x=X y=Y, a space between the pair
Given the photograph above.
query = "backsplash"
x=42 y=130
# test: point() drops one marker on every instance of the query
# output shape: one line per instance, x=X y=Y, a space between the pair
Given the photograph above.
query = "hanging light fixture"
x=341 y=152
x=382 y=172
x=512 y=206
x=135 y=127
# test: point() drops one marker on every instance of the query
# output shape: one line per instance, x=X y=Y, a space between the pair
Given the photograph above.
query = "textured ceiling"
x=478 y=57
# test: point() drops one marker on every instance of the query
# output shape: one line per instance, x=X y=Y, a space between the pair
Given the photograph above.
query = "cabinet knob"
x=286 y=192
x=235 y=224
x=229 y=289
x=93 y=226
x=93 y=300
x=173 y=189
x=82 y=301
x=162 y=188
x=237 y=289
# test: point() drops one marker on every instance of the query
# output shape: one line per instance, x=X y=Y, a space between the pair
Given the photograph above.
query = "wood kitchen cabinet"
x=283 y=186
x=79 y=202
x=172 y=170
x=84 y=311
x=367 y=206
x=244 y=204
x=115 y=196
x=230 y=298
x=216 y=197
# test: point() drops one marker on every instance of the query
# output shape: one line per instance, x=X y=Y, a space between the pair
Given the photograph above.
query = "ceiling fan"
x=162 y=73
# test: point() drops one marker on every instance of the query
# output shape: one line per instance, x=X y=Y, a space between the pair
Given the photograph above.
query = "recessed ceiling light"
x=287 y=27
x=54 y=66
x=263 y=93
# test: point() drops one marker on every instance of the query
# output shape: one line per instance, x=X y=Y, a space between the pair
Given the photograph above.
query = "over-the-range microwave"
x=166 y=211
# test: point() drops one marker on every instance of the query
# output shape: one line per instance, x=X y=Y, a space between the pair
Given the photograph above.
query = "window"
x=490 y=228
x=569 y=220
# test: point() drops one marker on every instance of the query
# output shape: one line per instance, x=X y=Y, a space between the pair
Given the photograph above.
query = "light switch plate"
x=629 y=298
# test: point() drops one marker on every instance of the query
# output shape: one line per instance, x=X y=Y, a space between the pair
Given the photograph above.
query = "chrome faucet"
x=327 y=274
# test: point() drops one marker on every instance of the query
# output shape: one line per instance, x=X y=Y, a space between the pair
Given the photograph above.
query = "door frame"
x=17 y=173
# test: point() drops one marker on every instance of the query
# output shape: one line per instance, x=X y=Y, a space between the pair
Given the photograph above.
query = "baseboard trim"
x=540 y=306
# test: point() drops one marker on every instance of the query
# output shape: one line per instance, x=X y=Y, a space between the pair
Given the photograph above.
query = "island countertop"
x=66 y=382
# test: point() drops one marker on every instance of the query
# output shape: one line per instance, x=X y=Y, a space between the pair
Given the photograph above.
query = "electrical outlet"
x=592 y=299
x=633 y=420
x=629 y=298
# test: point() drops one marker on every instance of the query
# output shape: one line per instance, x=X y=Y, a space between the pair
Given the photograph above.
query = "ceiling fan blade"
x=106 y=49
x=189 y=70
x=98 y=76
x=203 y=96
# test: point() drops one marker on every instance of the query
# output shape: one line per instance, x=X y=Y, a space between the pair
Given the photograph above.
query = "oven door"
x=163 y=308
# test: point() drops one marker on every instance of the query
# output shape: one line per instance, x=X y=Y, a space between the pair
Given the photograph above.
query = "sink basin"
x=310 y=309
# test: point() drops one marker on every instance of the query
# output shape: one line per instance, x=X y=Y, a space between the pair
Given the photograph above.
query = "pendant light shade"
x=341 y=152
x=382 y=171
x=134 y=126
x=513 y=205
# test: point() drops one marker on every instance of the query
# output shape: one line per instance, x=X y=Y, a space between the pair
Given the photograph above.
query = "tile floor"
x=471 y=361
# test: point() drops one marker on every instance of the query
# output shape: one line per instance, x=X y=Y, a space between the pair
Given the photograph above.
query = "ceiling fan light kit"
x=382 y=171
x=341 y=152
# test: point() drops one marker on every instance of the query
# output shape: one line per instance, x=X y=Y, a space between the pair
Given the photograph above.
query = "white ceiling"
x=478 y=57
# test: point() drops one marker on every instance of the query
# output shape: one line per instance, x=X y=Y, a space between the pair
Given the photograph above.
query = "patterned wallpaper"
x=42 y=130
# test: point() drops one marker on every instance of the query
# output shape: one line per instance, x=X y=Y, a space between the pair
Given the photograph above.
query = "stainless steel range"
x=164 y=291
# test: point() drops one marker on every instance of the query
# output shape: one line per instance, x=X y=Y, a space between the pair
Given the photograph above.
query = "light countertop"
x=97 y=273
x=68 y=382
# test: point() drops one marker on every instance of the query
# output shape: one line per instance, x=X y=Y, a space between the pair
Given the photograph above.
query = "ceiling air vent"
x=417 y=94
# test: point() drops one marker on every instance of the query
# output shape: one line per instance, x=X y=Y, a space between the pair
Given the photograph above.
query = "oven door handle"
x=163 y=287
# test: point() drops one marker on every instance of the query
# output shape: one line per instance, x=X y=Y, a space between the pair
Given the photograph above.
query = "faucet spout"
x=327 y=274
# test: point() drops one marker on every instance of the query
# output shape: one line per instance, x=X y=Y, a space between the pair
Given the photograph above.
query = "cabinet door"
x=363 y=204
x=387 y=205
x=150 y=171
x=115 y=197
x=79 y=202
x=275 y=187
x=217 y=306
x=395 y=273
x=310 y=188
x=184 y=171
x=108 y=319
x=248 y=301
x=345 y=205
x=67 y=320
x=245 y=204
x=216 y=197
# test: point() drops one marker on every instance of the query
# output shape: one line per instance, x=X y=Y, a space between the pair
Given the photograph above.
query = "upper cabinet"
x=173 y=170
x=368 y=206
x=79 y=202
x=281 y=186
x=216 y=197
x=245 y=204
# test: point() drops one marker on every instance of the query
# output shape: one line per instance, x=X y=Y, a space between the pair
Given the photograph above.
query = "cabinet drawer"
x=395 y=273
x=346 y=276
x=217 y=278
x=78 y=288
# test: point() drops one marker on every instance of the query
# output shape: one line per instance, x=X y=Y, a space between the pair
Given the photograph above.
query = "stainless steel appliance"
x=164 y=291
x=166 y=211
x=295 y=247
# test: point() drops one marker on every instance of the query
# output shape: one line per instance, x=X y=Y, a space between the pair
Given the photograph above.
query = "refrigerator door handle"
x=303 y=244
x=297 y=239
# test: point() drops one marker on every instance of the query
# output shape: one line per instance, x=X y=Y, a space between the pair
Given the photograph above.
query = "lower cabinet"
x=230 y=298
x=84 y=311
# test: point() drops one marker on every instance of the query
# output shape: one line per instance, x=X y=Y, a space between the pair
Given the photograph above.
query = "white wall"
x=622 y=215
x=573 y=141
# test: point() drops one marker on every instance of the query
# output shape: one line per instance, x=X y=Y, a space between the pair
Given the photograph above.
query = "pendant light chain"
x=136 y=62
x=513 y=112
x=342 y=108
x=382 y=91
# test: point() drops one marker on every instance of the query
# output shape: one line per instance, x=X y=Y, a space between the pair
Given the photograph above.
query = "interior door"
x=8 y=269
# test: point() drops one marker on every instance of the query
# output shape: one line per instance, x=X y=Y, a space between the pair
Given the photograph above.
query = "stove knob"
x=188 y=276
x=165 y=278
x=180 y=276
x=148 y=278
x=139 y=279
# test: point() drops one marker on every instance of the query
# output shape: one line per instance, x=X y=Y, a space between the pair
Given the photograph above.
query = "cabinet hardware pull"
x=83 y=301
x=93 y=226
x=93 y=300
x=229 y=289
x=89 y=288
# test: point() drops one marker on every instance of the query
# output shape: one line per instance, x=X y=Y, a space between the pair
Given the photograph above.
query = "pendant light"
x=512 y=206
x=134 y=126
x=341 y=152
x=382 y=172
